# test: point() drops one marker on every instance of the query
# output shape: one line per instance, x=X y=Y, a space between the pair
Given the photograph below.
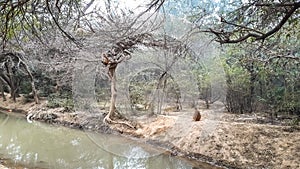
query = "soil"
x=226 y=140
x=2 y=167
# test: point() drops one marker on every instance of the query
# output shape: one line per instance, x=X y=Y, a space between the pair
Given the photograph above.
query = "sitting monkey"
x=197 y=115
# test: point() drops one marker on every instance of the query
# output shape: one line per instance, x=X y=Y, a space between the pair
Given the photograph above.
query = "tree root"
x=108 y=120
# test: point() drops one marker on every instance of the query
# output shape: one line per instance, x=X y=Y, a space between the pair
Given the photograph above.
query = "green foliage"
x=295 y=122
x=204 y=81
x=44 y=83
x=102 y=89
x=25 y=86
x=282 y=91
x=56 y=100
x=272 y=74
x=144 y=86
x=238 y=97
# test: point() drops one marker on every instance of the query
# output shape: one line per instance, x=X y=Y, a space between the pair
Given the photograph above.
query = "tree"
x=45 y=32
x=256 y=20
x=12 y=65
x=113 y=33
x=29 y=19
x=109 y=30
x=257 y=75
x=241 y=21
x=121 y=51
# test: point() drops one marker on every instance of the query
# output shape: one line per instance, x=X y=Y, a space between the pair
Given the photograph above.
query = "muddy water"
x=38 y=145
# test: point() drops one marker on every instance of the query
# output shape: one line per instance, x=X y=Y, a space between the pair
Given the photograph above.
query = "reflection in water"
x=44 y=146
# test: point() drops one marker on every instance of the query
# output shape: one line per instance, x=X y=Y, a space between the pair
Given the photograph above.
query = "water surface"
x=38 y=145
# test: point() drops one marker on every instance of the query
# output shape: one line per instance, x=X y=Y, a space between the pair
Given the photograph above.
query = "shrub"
x=56 y=100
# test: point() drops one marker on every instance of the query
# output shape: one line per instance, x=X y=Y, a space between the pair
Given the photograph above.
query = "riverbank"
x=227 y=140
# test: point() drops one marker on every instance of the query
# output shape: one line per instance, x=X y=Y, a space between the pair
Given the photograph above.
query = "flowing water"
x=38 y=145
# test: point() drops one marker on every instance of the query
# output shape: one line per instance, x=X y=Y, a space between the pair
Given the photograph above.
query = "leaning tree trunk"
x=113 y=89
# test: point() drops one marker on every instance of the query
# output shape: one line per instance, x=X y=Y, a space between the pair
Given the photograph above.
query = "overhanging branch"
x=224 y=37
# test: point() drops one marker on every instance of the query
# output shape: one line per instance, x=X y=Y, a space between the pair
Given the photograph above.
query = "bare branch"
x=281 y=23
x=241 y=26
x=157 y=4
x=58 y=25
x=88 y=5
x=224 y=37
x=277 y=4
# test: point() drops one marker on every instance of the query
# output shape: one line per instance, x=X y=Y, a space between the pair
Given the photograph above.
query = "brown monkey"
x=197 y=115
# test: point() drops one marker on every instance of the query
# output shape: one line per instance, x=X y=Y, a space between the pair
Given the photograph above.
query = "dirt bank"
x=220 y=138
x=3 y=167
x=223 y=139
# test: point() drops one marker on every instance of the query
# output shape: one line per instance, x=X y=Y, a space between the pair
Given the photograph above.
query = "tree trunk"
x=34 y=91
x=252 y=88
x=113 y=89
x=11 y=81
x=2 y=90
x=207 y=97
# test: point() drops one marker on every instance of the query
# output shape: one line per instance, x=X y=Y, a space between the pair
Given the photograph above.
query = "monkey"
x=197 y=115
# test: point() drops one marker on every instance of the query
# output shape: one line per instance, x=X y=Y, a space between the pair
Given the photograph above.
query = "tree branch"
x=155 y=3
x=277 y=4
x=58 y=25
x=281 y=23
x=222 y=38
x=241 y=26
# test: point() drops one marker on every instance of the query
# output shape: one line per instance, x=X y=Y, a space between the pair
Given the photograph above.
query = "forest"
x=256 y=44
x=122 y=60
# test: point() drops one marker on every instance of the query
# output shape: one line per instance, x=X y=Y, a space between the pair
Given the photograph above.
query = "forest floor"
x=233 y=141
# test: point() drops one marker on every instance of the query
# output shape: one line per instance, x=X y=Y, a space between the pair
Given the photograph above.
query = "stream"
x=39 y=145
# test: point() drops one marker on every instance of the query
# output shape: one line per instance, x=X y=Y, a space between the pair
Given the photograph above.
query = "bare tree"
x=32 y=19
x=45 y=32
x=116 y=33
x=108 y=32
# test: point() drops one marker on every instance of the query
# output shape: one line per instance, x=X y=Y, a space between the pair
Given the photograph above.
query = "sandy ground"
x=229 y=140
x=224 y=138
x=3 y=167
